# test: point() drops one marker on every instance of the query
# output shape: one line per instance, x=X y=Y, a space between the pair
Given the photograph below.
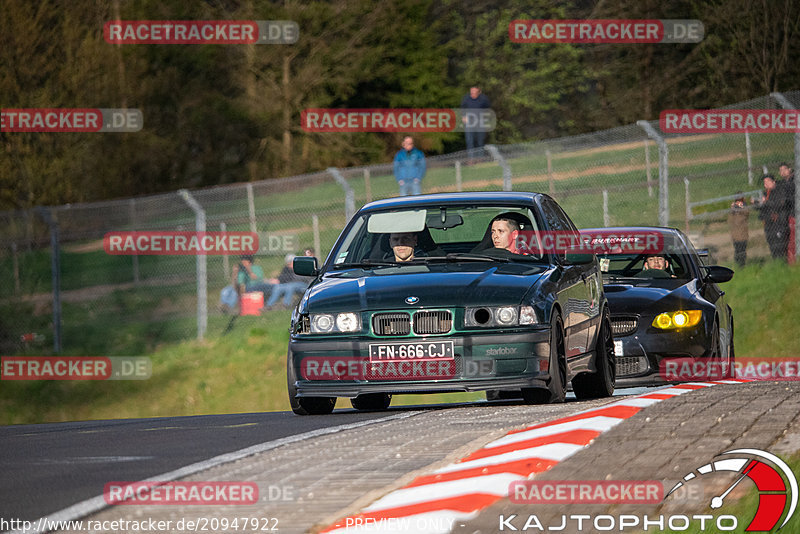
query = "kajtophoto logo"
x=74 y=120
x=201 y=32
x=770 y=475
x=621 y=31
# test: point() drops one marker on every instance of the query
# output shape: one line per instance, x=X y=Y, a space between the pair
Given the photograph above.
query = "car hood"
x=435 y=286
x=640 y=297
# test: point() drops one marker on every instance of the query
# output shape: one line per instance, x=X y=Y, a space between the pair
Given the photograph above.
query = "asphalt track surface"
x=49 y=467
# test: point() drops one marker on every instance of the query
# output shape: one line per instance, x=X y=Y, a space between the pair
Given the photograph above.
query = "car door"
x=575 y=294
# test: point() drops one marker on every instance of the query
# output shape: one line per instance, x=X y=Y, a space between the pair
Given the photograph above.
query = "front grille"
x=629 y=365
x=623 y=326
x=391 y=324
x=432 y=322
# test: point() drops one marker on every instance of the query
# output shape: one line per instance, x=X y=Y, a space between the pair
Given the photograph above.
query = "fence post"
x=606 y=217
x=458 y=176
x=55 y=272
x=202 y=274
x=788 y=105
x=688 y=213
x=251 y=207
x=749 y=157
x=349 y=198
x=551 y=183
x=225 y=266
x=315 y=228
x=134 y=257
x=663 y=172
x=503 y=163
x=368 y=185
x=647 y=168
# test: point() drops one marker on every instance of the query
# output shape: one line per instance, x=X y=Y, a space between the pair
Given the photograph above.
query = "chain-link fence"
x=61 y=291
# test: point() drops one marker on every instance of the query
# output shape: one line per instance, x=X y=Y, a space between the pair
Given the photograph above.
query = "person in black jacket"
x=774 y=212
x=474 y=136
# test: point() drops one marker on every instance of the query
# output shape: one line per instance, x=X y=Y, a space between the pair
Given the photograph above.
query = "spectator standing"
x=774 y=213
x=474 y=137
x=787 y=174
x=737 y=220
x=409 y=168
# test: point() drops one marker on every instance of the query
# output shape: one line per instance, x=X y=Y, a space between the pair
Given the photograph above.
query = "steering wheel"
x=652 y=273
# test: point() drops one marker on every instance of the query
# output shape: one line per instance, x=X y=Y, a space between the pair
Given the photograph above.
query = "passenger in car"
x=504 y=234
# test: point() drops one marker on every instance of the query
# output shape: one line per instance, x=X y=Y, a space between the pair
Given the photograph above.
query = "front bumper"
x=480 y=362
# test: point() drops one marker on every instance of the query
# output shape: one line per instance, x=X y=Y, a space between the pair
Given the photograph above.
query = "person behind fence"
x=409 y=168
x=774 y=212
x=249 y=277
x=787 y=175
x=737 y=221
x=288 y=284
x=474 y=136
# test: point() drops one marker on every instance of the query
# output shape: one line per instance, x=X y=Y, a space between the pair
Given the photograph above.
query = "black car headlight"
x=677 y=319
x=494 y=316
x=332 y=323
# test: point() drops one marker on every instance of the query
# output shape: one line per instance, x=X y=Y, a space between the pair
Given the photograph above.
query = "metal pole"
x=251 y=207
x=663 y=172
x=315 y=228
x=647 y=168
x=55 y=271
x=135 y=226
x=202 y=273
x=458 y=176
x=225 y=265
x=688 y=213
x=349 y=197
x=550 y=173
x=368 y=185
x=749 y=157
x=503 y=164
x=606 y=218
x=788 y=105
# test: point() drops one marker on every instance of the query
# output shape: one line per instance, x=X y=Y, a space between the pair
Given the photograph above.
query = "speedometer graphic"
x=770 y=475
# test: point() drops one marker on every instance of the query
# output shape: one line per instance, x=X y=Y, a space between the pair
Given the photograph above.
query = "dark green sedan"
x=436 y=293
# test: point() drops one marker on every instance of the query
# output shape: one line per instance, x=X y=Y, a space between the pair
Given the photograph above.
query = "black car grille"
x=630 y=365
x=391 y=324
x=432 y=322
x=623 y=325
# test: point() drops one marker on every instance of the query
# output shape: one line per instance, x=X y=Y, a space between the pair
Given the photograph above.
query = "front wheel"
x=557 y=384
x=601 y=383
x=305 y=405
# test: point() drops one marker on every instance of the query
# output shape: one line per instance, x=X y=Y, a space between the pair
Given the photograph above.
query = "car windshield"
x=673 y=261
x=436 y=234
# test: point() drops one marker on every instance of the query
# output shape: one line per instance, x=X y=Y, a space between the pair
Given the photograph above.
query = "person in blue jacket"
x=409 y=168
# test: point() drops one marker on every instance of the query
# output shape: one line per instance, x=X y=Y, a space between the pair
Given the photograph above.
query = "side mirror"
x=718 y=274
x=578 y=259
x=305 y=266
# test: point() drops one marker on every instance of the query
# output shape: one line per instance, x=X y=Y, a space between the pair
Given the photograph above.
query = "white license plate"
x=617 y=348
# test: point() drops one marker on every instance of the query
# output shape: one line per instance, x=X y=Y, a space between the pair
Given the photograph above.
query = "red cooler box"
x=252 y=303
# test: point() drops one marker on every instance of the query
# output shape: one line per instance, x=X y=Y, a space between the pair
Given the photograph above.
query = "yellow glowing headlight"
x=677 y=319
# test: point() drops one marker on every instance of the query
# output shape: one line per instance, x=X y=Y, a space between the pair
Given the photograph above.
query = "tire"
x=731 y=357
x=305 y=405
x=601 y=383
x=557 y=383
x=372 y=401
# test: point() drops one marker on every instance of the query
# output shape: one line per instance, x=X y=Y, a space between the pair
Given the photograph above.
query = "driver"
x=657 y=262
x=504 y=233
x=403 y=245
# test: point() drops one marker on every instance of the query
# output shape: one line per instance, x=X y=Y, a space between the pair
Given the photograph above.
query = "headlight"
x=327 y=323
x=347 y=322
x=494 y=316
x=677 y=319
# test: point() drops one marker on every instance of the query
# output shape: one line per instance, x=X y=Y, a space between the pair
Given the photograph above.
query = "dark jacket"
x=774 y=211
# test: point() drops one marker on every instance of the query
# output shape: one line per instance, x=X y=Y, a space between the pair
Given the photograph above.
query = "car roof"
x=478 y=197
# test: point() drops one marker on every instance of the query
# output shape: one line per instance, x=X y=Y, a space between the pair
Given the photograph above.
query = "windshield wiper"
x=455 y=256
x=367 y=263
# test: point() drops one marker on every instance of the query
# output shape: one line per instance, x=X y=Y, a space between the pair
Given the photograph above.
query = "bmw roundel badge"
x=412 y=300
